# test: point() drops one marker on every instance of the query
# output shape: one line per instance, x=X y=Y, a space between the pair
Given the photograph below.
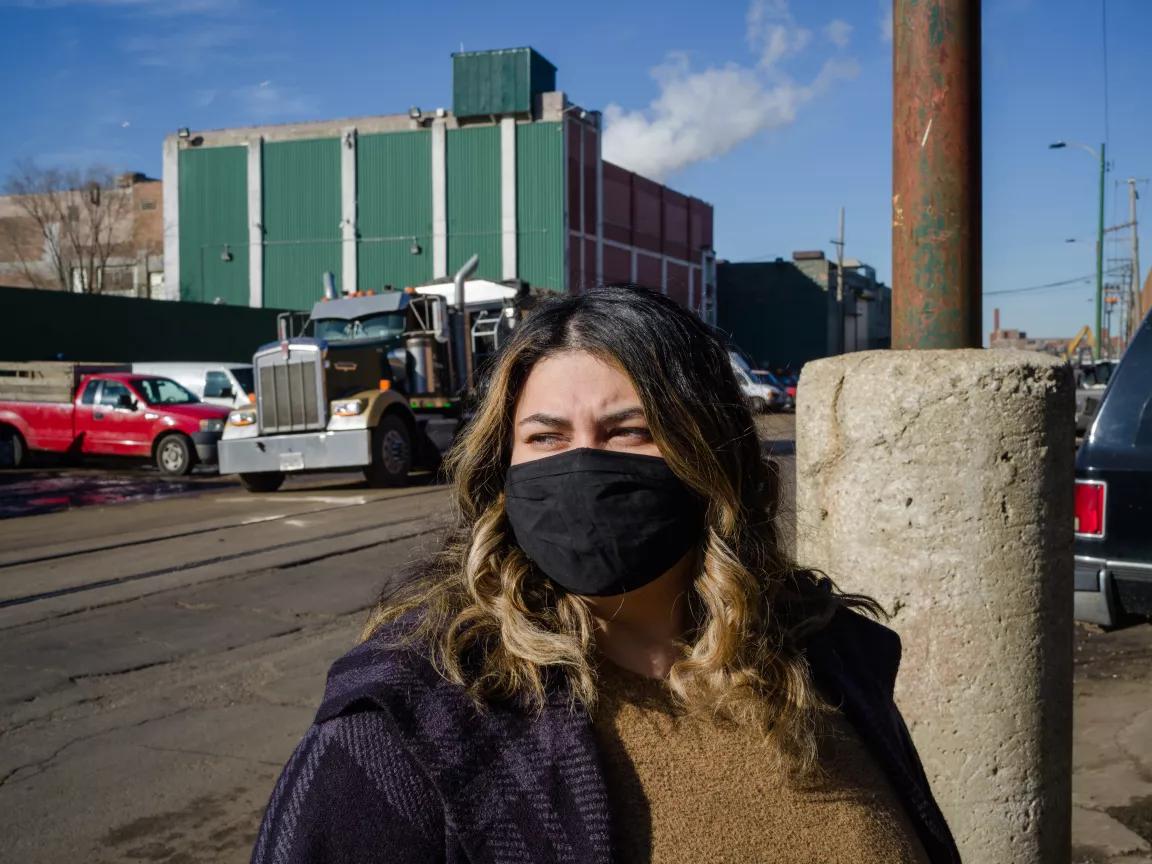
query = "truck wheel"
x=391 y=453
x=264 y=481
x=174 y=456
x=17 y=450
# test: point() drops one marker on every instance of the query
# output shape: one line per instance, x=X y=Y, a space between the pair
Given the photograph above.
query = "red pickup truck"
x=89 y=410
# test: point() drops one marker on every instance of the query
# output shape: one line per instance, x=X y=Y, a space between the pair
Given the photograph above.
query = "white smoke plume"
x=703 y=114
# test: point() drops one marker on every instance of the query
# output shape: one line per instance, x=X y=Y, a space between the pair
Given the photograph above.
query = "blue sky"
x=102 y=81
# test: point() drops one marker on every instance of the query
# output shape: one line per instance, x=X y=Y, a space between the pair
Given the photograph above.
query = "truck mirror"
x=126 y=401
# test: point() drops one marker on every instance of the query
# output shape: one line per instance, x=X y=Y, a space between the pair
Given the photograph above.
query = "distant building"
x=1019 y=340
x=255 y=216
x=785 y=313
x=99 y=241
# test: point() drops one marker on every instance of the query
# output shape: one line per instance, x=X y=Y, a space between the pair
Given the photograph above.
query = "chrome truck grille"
x=290 y=390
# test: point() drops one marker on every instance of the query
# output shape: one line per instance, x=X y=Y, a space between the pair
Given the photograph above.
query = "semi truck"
x=78 y=409
x=375 y=382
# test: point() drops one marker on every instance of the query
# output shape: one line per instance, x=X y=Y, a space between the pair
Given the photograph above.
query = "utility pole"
x=1100 y=253
x=936 y=175
x=841 y=338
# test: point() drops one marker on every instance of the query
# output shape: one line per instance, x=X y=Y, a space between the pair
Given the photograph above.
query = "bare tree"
x=81 y=218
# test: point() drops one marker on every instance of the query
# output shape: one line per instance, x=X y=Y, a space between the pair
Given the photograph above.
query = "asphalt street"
x=161 y=659
x=163 y=647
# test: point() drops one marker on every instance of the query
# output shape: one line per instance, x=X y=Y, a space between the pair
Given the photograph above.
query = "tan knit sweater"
x=684 y=789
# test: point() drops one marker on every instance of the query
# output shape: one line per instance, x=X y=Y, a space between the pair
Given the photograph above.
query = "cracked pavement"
x=156 y=685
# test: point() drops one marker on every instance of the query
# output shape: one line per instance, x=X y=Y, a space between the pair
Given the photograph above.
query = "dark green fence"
x=53 y=325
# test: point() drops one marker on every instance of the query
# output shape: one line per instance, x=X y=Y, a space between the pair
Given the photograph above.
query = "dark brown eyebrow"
x=555 y=422
x=634 y=413
x=547 y=420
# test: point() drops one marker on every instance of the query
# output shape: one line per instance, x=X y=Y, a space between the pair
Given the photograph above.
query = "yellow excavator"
x=1081 y=339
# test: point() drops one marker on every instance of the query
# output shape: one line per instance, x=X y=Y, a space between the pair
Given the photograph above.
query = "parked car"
x=787 y=399
x=227 y=384
x=90 y=410
x=762 y=397
x=1092 y=377
x=1113 y=529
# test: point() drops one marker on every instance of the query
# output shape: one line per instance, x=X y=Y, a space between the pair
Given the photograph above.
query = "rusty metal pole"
x=936 y=174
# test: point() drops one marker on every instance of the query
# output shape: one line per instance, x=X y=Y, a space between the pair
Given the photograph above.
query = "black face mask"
x=598 y=522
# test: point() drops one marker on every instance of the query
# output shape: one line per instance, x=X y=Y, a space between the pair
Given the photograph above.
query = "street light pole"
x=1100 y=255
x=1099 y=236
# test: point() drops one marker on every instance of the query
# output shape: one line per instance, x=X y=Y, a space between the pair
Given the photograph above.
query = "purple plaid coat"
x=400 y=768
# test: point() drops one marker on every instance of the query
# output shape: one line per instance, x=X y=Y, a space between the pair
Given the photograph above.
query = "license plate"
x=291 y=461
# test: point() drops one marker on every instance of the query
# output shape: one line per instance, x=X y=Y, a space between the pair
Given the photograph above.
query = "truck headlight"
x=211 y=425
x=240 y=418
x=347 y=408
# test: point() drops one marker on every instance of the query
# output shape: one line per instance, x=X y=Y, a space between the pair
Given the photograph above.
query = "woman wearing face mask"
x=610 y=659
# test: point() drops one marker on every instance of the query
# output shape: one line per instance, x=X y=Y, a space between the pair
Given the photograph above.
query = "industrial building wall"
x=213 y=235
x=656 y=237
x=540 y=204
x=309 y=190
x=775 y=312
x=260 y=222
x=394 y=209
x=473 y=177
x=301 y=220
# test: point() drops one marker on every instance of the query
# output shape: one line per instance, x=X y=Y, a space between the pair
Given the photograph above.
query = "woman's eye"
x=544 y=438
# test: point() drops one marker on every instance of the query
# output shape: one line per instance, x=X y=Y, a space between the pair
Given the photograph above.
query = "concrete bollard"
x=940 y=483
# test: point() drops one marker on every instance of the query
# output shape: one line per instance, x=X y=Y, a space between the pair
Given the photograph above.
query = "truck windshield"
x=244 y=379
x=164 y=391
x=378 y=328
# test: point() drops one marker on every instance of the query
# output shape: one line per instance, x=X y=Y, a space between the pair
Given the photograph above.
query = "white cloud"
x=838 y=32
x=886 y=20
x=266 y=101
x=703 y=114
x=772 y=32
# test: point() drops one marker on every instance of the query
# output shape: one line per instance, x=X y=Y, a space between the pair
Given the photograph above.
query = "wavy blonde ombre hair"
x=492 y=623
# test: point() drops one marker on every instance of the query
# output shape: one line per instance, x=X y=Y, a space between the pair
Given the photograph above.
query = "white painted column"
x=171 y=177
x=439 y=199
x=349 y=279
x=508 y=224
x=256 y=222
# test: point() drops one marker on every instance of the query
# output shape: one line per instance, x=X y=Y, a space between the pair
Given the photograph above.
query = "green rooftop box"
x=505 y=81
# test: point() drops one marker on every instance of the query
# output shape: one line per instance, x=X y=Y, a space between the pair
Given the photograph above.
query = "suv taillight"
x=1089 y=507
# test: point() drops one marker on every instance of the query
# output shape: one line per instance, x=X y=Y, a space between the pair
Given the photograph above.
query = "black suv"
x=1114 y=495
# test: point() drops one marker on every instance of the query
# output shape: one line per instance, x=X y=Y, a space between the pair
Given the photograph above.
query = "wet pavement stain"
x=206 y=830
x=34 y=493
x=1136 y=816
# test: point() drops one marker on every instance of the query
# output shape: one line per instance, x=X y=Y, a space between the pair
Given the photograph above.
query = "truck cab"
x=376 y=382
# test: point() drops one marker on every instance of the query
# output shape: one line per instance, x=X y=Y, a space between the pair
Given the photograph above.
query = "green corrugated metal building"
x=256 y=216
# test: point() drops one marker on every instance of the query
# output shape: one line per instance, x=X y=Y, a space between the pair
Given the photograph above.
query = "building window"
x=147 y=205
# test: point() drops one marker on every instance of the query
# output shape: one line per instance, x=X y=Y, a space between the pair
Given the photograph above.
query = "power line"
x=1064 y=283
